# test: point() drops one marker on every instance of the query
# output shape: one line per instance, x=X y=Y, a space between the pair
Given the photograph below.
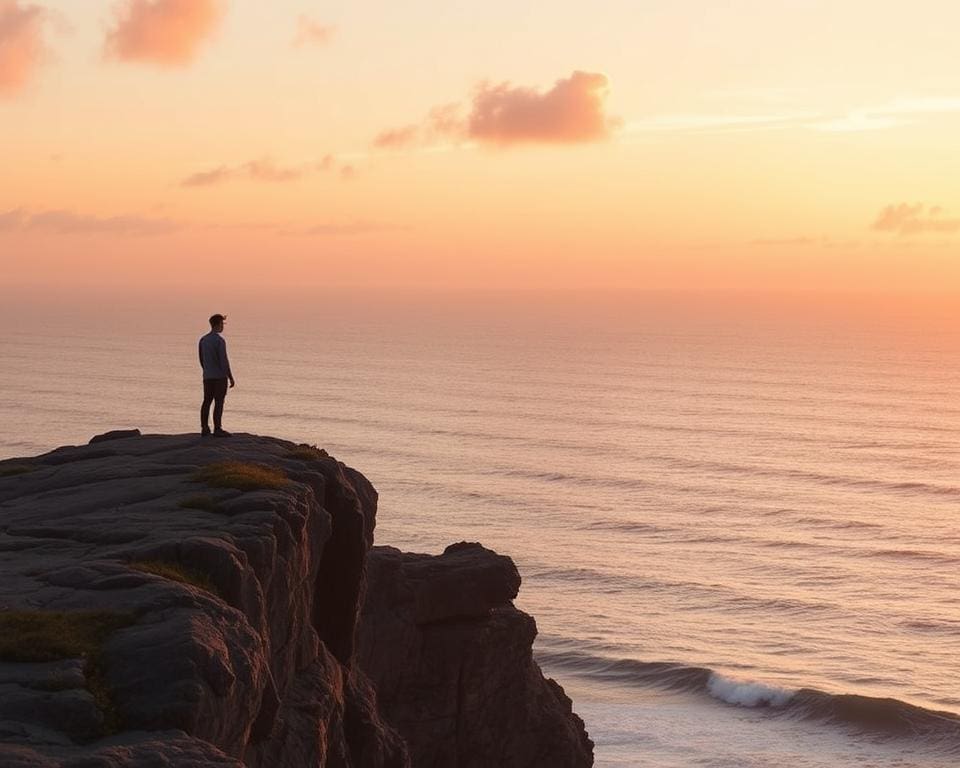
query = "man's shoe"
x=221 y=433
x=205 y=432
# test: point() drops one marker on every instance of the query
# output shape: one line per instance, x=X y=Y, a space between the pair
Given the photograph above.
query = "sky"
x=621 y=145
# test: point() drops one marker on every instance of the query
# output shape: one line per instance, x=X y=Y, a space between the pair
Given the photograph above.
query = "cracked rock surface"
x=242 y=642
x=451 y=659
x=247 y=662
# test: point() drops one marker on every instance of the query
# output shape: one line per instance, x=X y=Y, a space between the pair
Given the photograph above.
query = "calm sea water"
x=729 y=525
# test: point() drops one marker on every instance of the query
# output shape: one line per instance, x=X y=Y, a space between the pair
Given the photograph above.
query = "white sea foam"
x=746 y=694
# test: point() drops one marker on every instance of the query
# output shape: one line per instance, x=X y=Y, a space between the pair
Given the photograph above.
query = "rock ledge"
x=260 y=628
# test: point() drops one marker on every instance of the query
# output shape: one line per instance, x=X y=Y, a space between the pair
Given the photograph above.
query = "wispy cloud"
x=901 y=219
x=311 y=32
x=922 y=106
x=209 y=178
x=892 y=114
x=443 y=123
x=64 y=222
x=22 y=47
x=857 y=122
x=573 y=111
x=166 y=32
x=915 y=219
x=70 y=223
x=266 y=170
x=398 y=138
x=693 y=123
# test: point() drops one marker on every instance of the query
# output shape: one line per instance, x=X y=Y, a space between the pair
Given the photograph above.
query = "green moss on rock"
x=41 y=636
x=9 y=470
x=36 y=636
x=306 y=452
x=176 y=572
x=242 y=475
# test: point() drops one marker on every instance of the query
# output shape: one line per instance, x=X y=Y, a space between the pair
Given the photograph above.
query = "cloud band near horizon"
x=915 y=219
x=267 y=171
x=63 y=222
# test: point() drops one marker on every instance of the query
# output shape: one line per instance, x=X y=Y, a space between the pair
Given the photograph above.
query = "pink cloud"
x=62 y=222
x=208 y=178
x=445 y=119
x=571 y=112
x=21 y=44
x=397 y=138
x=167 y=32
x=310 y=32
x=255 y=170
x=267 y=170
x=264 y=170
x=916 y=219
x=442 y=121
x=65 y=223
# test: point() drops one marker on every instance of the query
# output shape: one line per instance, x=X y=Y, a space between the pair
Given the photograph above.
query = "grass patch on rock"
x=9 y=470
x=306 y=452
x=176 y=572
x=201 y=501
x=243 y=475
x=37 y=636
x=42 y=636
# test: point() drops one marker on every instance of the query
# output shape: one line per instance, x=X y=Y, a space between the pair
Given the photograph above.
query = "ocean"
x=736 y=524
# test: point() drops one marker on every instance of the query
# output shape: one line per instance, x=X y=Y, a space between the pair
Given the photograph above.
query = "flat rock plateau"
x=172 y=600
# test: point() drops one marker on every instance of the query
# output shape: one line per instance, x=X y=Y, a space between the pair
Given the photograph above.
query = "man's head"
x=216 y=322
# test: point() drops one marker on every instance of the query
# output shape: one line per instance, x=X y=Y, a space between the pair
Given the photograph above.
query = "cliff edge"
x=179 y=601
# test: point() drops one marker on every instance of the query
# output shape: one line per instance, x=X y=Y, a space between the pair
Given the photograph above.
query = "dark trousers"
x=214 y=391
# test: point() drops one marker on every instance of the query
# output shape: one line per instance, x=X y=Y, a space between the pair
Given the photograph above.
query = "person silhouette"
x=216 y=374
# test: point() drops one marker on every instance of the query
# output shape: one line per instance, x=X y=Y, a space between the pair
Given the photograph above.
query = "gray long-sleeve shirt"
x=213 y=357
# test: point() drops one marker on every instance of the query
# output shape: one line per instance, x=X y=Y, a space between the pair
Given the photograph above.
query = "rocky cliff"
x=451 y=660
x=178 y=601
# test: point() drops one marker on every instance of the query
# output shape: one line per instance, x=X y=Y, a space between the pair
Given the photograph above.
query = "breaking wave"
x=884 y=717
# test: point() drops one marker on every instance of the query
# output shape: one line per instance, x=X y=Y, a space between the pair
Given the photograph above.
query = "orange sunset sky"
x=624 y=144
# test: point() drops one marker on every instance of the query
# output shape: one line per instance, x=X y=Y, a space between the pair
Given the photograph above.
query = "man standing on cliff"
x=216 y=374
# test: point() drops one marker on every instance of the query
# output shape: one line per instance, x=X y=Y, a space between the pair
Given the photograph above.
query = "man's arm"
x=200 y=350
x=225 y=361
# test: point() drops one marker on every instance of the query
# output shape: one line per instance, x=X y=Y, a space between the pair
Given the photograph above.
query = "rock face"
x=237 y=570
x=451 y=659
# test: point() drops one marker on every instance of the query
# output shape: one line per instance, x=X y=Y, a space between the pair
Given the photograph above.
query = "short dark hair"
x=217 y=319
